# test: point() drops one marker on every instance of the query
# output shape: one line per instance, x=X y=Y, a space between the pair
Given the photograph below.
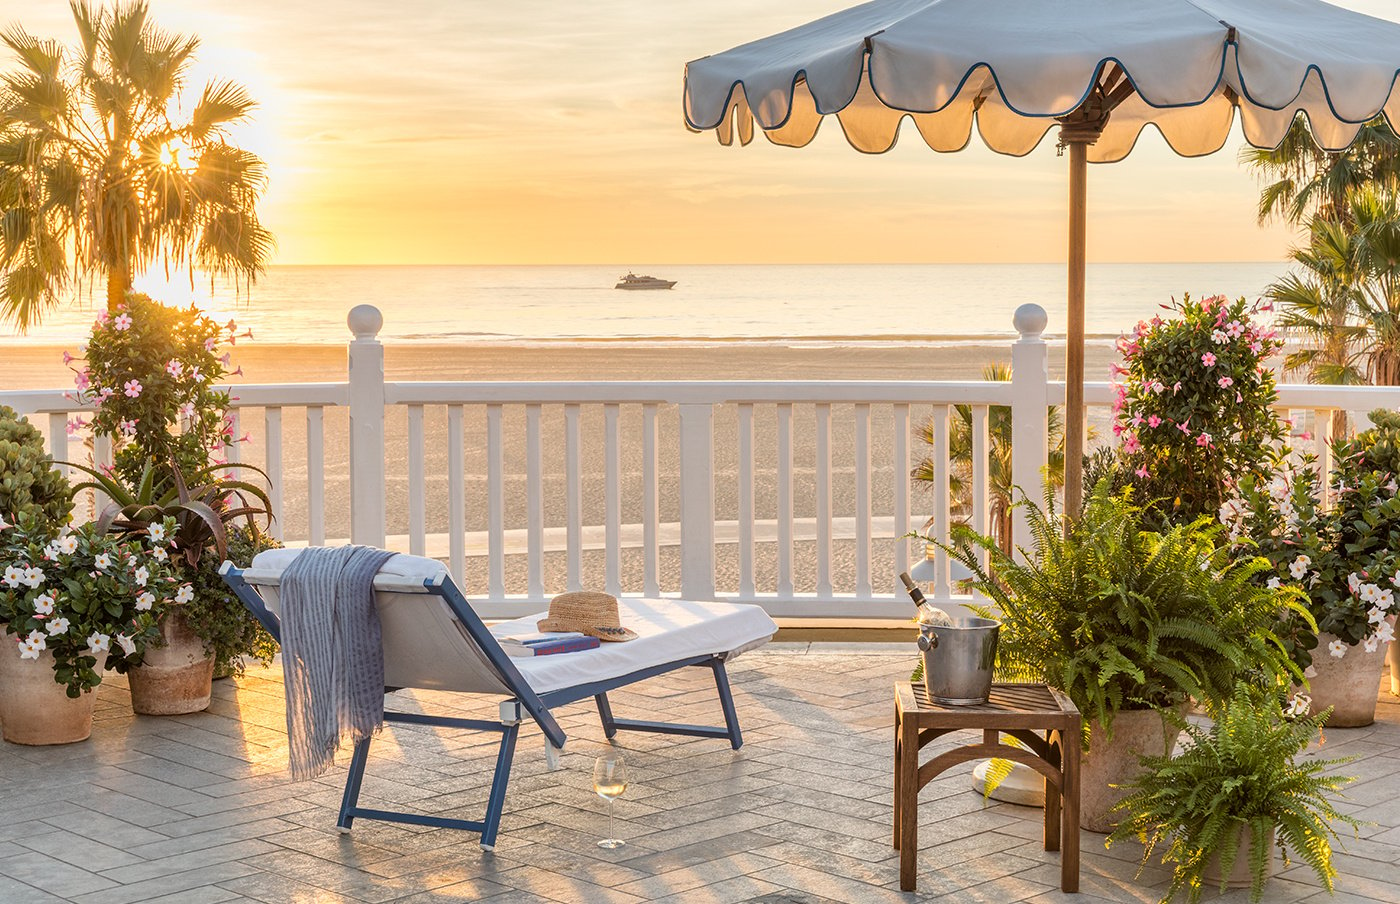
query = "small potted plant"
x=1236 y=791
x=71 y=606
x=1344 y=556
x=175 y=677
x=1130 y=624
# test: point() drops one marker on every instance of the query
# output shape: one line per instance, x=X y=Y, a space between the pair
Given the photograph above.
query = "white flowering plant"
x=81 y=595
x=1346 y=557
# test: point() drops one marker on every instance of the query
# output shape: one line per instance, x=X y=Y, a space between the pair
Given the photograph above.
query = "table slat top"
x=1015 y=702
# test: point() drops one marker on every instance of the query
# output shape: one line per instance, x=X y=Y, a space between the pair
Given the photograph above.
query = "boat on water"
x=633 y=281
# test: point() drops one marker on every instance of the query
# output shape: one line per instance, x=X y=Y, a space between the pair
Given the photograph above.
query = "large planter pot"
x=1115 y=762
x=1349 y=685
x=1239 y=871
x=175 y=678
x=35 y=709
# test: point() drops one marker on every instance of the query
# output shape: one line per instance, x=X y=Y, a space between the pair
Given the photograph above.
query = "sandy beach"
x=24 y=367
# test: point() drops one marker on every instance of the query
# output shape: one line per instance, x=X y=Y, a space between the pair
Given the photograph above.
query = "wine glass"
x=609 y=781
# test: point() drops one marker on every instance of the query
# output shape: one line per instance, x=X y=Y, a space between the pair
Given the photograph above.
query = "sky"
x=539 y=132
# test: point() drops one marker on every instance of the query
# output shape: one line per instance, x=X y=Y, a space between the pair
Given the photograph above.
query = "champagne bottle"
x=915 y=593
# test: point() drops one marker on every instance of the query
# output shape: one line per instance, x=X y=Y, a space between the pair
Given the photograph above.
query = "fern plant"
x=1120 y=617
x=1239 y=777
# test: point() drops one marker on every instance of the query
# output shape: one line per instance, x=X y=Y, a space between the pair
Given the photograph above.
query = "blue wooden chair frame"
x=513 y=710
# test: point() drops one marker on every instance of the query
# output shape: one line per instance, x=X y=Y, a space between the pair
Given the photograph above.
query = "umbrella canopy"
x=1099 y=70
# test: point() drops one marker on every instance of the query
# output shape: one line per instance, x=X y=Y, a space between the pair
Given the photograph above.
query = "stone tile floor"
x=200 y=808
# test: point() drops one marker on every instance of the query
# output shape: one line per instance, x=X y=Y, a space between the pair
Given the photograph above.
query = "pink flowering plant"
x=1345 y=556
x=150 y=373
x=1194 y=404
x=81 y=597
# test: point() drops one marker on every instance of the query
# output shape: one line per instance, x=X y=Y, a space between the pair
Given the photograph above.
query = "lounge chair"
x=434 y=640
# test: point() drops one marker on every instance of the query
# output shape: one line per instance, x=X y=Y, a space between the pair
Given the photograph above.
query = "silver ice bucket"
x=958 y=660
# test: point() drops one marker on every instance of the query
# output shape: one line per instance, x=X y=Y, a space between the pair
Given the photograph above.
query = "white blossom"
x=1353 y=582
x=145 y=601
x=184 y=594
x=1338 y=648
x=13 y=576
x=1386 y=632
x=1371 y=644
x=1298 y=706
x=102 y=561
x=1299 y=567
x=98 y=643
x=57 y=626
x=68 y=545
x=160 y=555
x=34 y=578
x=157 y=532
x=1376 y=615
x=1275 y=583
x=43 y=604
x=142 y=575
x=127 y=644
x=28 y=650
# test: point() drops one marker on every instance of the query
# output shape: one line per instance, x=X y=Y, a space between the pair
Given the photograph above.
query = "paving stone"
x=200 y=808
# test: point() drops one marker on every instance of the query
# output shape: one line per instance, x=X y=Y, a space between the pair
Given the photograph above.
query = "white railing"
x=793 y=494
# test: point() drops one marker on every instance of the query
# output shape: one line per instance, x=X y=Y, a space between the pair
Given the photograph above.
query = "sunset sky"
x=465 y=131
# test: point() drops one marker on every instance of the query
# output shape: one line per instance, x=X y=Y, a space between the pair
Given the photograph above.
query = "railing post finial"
x=365 y=321
x=1030 y=320
x=365 y=357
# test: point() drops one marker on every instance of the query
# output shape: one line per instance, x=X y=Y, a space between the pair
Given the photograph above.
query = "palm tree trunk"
x=118 y=284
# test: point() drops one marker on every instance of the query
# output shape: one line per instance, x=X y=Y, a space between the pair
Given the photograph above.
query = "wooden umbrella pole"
x=1074 y=344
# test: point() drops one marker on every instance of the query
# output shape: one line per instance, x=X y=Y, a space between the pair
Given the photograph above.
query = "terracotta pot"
x=1239 y=871
x=1350 y=685
x=1115 y=762
x=34 y=708
x=176 y=678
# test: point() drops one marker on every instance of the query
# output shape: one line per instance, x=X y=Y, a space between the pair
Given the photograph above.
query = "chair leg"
x=497 y=801
x=726 y=702
x=352 y=785
x=606 y=715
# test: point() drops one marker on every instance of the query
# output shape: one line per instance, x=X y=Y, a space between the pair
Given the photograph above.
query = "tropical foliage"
x=1345 y=296
x=30 y=486
x=101 y=173
x=1303 y=182
x=1000 y=487
x=1194 y=405
x=1345 y=557
x=83 y=595
x=1121 y=617
x=1237 y=780
x=150 y=375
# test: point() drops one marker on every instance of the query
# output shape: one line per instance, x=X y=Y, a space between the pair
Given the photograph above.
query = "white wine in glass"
x=609 y=782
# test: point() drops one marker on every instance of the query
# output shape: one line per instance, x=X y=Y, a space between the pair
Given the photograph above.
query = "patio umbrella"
x=1099 y=71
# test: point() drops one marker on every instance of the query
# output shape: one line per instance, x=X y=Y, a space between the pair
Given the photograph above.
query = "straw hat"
x=587 y=612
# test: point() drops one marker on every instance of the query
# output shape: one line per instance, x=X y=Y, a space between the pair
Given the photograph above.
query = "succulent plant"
x=30 y=485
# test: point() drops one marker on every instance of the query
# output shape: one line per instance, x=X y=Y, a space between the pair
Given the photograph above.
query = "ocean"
x=808 y=304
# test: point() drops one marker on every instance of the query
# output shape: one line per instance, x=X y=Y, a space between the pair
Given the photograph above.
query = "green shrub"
x=30 y=485
x=1120 y=617
x=1238 y=779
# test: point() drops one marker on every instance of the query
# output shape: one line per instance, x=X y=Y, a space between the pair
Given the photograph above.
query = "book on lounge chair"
x=547 y=643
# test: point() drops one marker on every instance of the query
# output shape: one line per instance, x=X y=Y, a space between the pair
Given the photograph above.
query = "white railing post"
x=1030 y=440
x=697 y=501
x=366 y=367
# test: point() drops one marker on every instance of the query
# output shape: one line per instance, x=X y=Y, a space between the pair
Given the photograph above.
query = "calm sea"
x=755 y=303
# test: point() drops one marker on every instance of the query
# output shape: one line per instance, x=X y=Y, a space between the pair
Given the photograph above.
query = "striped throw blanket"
x=332 y=653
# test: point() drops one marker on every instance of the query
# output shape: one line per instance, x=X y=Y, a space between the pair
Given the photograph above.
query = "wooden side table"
x=1018 y=710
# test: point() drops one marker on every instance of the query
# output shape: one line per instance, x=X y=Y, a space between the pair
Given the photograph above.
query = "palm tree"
x=1001 y=488
x=100 y=174
x=1346 y=299
x=1303 y=181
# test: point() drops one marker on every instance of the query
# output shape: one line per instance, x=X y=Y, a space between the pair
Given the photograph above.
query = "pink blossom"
x=1238 y=398
x=1226 y=382
x=75 y=424
x=102 y=319
x=122 y=323
x=1118 y=429
x=232 y=326
x=1235 y=329
x=227 y=359
x=1137 y=420
x=196 y=375
x=1208 y=360
x=82 y=380
x=210 y=344
x=238 y=372
x=1154 y=421
x=1142 y=472
x=105 y=393
x=67 y=358
x=187 y=410
x=246 y=438
x=1131 y=446
x=174 y=367
x=1177 y=387
x=1183 y=427
x=1306 y=436
x=132 y=388
x=128 y=428
x=1203 y=439
x=1256 y=346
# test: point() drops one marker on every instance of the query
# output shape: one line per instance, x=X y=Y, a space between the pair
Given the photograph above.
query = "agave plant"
x=203 y=505
x=1240 y=779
